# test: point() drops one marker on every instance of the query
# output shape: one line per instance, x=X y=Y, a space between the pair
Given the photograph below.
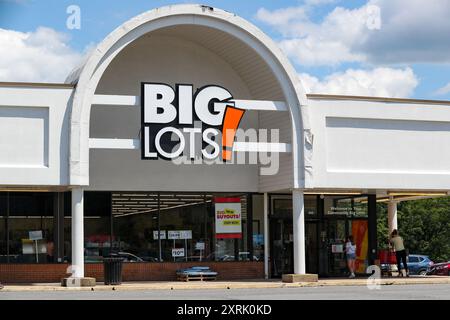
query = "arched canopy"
x=163 y=19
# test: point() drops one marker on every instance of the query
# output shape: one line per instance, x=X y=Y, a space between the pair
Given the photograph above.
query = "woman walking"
x=400 y=252
x=350 y=251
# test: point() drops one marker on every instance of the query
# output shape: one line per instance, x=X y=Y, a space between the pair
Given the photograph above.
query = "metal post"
x=159 y=227
x=372 y=228
x=58 y=227
x=8 y=208
x=250 y=225
x=266 y=236
x=299 y=231
x=77 y=233
x=111 y=225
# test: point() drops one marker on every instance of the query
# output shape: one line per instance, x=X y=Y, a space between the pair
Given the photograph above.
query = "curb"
x=221 y=285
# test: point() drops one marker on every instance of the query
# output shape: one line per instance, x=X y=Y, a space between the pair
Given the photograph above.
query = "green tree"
x=423 y=224
x=382 y=226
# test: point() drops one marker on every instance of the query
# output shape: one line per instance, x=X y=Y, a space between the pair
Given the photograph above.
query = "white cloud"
x=379 y=32
x=318 y=2
x=310 y=52
x=443 y=91
x=282 y=18
x=40 y=56
x=382 y=82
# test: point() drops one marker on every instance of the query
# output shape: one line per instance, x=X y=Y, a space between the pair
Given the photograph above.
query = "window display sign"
x=337 y=248
x=228 y=218
x=348 y=211
x=30 y=247
x=177 y=252
x=200 y=246
x=179 y=234
x=162 y=234
x=35 y=235
x=360 y=235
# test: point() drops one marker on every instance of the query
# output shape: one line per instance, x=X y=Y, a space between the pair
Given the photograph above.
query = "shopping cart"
x=388 y=261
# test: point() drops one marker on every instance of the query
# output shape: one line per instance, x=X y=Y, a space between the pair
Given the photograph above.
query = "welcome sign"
x=228 y=217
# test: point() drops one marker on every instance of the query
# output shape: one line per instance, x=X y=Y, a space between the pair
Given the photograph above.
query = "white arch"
x=114 y=43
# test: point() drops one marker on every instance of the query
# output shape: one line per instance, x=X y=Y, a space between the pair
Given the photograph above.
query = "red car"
x=441 y=269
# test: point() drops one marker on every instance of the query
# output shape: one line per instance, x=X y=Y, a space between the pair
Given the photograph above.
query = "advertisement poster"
x=228 y=218
x=360 y=235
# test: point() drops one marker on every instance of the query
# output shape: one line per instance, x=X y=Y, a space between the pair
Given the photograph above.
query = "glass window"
x=282 y=207
x=3 y=239
x=187 y=226
x=31 y=211
x=349 y=206
x=310 y=206
x=67 y=226
x=413 y=259
x=135 y=225
x=258 y=226
x=185 y=220
x=230 y=234
x=97 y=225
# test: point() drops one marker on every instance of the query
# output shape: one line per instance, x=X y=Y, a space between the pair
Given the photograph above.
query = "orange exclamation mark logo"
x=231 y=121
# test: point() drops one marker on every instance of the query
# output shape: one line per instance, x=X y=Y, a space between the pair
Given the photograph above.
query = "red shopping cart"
x=388 y=261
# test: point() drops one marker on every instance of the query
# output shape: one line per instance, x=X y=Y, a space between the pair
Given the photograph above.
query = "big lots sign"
x=168 y=116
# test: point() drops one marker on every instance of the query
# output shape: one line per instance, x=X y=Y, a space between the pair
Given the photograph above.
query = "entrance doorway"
x=328 y=222
x=282 y=236
x=332 y=245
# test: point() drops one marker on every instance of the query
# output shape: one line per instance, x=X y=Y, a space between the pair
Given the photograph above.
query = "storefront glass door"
x=282 y=237
x=343 y=216
x=336 y=234
x=328 y=222
x=282 y=246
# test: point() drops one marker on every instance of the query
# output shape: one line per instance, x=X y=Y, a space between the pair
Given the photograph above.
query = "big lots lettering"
x=168 y=117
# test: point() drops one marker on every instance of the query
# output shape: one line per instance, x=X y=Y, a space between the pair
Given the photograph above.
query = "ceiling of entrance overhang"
x=252 y=69
x=250 y=66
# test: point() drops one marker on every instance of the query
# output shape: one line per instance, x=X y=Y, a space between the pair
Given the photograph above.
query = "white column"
x=266 y=236
x=299 y=231
x=77 y=233
x=392 y=215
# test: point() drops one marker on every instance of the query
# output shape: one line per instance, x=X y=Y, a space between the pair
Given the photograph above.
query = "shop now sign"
x=228 y=218
x=169 y=117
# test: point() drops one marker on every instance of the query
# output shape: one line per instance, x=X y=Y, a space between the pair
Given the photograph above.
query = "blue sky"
x=330 y=42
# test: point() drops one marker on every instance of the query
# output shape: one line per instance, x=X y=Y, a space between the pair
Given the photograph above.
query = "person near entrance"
x=350 y=253
x=400 y=252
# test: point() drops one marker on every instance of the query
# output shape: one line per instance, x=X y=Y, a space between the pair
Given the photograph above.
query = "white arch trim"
x=131 y=30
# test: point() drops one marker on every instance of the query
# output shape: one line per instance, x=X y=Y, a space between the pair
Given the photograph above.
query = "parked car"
x=127 y=257
x=419 y=264
x=243 y=256
x=440 y=269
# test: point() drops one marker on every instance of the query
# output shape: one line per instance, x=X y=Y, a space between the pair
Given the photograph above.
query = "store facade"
x=187 y=138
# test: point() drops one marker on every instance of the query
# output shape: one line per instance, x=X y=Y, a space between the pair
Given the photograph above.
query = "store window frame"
x=239 y=244
x=47 y=201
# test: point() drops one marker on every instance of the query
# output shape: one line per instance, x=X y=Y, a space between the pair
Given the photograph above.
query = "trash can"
x=112 y=270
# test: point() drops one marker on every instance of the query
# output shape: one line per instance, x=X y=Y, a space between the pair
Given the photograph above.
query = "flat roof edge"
x=377 y=99
x=37 y=85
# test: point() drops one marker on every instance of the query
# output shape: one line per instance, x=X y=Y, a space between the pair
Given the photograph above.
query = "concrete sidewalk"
x=247 y=284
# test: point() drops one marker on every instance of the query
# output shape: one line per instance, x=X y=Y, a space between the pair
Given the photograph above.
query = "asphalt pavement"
x=386 y=292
